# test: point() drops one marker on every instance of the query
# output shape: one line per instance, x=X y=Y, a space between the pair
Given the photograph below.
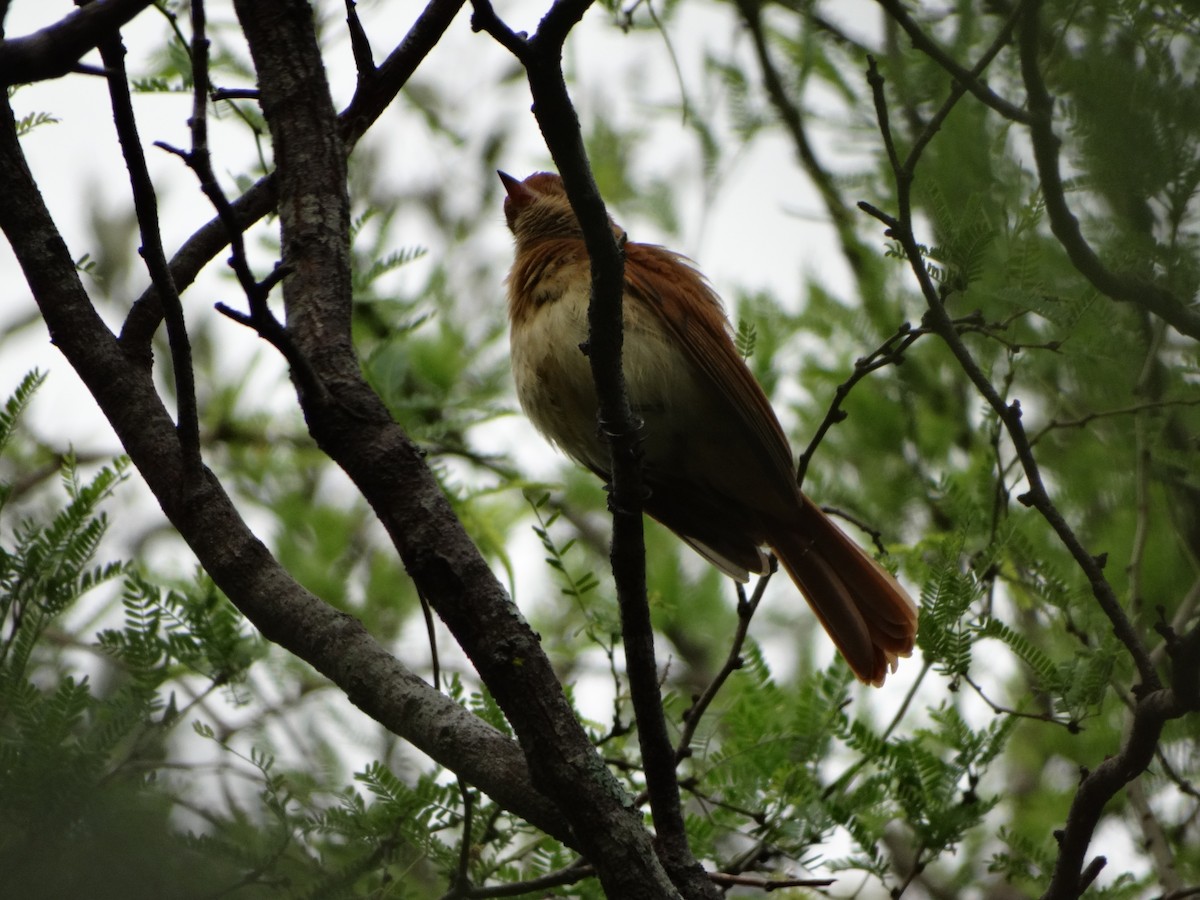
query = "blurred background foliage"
x=151 y=746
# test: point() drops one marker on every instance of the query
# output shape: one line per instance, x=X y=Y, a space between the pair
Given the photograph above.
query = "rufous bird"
x=717 y=465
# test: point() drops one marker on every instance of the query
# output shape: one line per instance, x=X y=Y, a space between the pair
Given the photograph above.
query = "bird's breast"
x=554 y=378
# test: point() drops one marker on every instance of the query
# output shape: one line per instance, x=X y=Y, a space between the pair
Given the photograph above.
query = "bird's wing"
x=669 y=285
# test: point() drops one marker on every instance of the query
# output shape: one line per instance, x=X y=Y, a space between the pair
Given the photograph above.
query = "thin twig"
x=916 y=867
x=235 y=94
x=766 y=885
x=968 y=79
x=1070 y=725
x=462 y=876
x=862 y=525
x=692 y=786
x=199 y=160
x=431 y=636
x=733 y=662
x=889 y=352
x=145 y=203
x=572 y=874
x=1131 y=410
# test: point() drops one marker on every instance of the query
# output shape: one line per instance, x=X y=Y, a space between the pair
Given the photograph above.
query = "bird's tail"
x=871 y=619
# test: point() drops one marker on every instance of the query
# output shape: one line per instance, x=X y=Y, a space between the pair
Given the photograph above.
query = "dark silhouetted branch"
x=145 y=204
x=1153 y=705
x=370 y=99
x=351 y=424
x=970 y=80
x=1119 y=286
x=55 y=50
x=541 y=56
x=334 y=643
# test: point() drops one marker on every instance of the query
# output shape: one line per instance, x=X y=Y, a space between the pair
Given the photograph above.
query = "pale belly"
x=554 y=382
x=691 y=433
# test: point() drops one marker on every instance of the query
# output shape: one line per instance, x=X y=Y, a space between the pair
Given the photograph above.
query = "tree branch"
x=1122 y=287
x=360 y=44
x=370 y=99
x=938 y=318
x=962 y=83
x=199 y=160
x=374 y=93
x=1151 y=713
x=1154 y=704
x=55 y=50
x=888 y=353
x=334 y=643
x=541 y=56
x=746 y=609
x=969 y=80
x=353 y=427
x=145 y=203
x=572 y=874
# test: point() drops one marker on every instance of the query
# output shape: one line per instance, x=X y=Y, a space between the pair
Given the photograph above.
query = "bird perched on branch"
x=717 y=465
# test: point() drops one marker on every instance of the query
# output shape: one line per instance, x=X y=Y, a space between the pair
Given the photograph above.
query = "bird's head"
x=538 y=209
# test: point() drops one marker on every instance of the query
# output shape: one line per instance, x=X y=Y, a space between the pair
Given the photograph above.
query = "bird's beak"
x=520 y=195
x=510 y=184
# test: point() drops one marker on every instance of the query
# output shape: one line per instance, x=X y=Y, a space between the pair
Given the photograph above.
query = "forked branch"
x=1154 y=704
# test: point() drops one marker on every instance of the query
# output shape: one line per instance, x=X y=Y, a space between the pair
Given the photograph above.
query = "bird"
x=717 y=465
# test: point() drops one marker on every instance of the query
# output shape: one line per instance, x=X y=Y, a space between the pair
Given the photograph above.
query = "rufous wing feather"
x=680 y=295
x=870 y=617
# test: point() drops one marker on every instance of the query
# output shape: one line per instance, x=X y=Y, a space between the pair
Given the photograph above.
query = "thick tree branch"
x=1150 y=715
x=1123 y=287
x=56 y=49
x=332 y=642
x=351 y=424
